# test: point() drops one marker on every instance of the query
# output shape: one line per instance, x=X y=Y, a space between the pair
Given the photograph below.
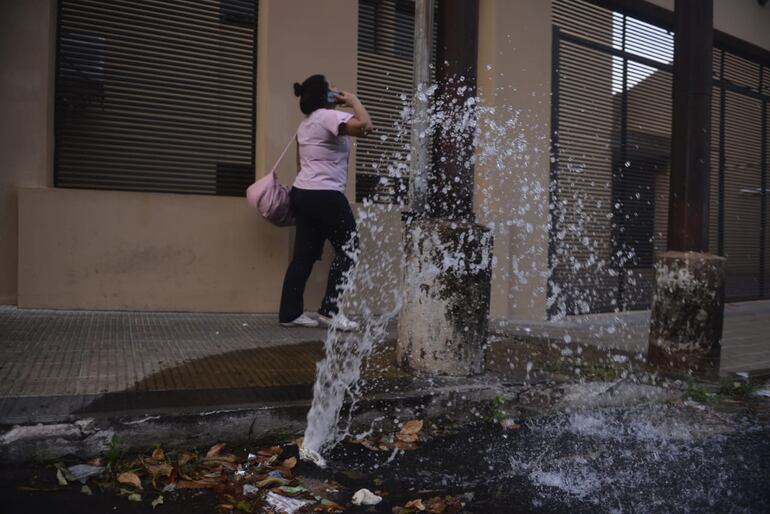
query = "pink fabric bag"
x=270 y=197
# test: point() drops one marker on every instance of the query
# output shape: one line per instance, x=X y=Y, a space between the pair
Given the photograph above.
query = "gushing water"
x=373 y=290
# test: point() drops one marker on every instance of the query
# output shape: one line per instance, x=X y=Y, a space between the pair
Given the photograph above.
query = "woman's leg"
x=307 y=249
x=343 y=236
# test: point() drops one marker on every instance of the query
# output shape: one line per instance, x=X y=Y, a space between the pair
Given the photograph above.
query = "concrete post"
x=688 y=306
x=423 y=34
x=448 y=257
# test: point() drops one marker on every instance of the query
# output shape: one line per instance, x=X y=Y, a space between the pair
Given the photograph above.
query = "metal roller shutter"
x=156 y=95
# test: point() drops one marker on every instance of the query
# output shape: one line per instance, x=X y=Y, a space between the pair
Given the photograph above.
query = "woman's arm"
x=360 y=124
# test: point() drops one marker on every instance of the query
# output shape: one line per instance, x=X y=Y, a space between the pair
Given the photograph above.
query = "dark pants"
x=320 y=215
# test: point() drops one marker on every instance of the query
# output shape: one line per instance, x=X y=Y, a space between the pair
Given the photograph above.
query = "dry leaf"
x=289 y=463
x=158 y=454
x=159 y=470
x=415 y=504
x=436 y=505
x=184 y=457
x=207 y=483
x=214 y=450
x=98 y=461
x=412 y=426
x=407 y=438
x=401 y=445
x=130 y=478
x=269 y=452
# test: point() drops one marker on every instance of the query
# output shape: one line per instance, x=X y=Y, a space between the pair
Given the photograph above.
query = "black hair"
x=312 y=93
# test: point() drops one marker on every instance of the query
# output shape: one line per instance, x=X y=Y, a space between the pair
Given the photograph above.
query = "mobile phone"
x=331 y=97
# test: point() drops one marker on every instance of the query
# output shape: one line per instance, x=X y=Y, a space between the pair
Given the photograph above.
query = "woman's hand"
x=347 y=99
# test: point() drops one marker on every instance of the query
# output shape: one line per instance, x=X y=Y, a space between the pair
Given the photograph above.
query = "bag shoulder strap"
x=283 y=154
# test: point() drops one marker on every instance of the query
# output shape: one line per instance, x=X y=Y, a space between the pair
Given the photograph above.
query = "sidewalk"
x=745 y=336
x=59 y=365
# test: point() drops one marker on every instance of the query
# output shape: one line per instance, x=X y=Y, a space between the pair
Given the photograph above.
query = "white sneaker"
x=340 y=322
x=303 y=320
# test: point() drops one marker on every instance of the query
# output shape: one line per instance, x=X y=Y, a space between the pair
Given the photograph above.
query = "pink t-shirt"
x=323 y=153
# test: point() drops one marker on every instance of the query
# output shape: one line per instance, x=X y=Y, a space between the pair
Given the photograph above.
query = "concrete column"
x=443 y=321
x=687 y=312
x=688 y=306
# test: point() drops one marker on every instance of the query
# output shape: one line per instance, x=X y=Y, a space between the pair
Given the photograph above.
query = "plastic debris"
x=60 y=477
x=313 y=456
x=509 y=424
x=275 y=473
x=365 y=497
x=250 y=490
x=292 y=489
x=763 y=392
x=83 y=472
x=285 y=504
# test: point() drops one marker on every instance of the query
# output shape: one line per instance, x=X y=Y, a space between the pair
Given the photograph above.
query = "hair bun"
x=297 y=89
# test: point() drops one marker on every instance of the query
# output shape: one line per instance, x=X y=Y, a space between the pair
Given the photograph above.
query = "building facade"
x=130 y=129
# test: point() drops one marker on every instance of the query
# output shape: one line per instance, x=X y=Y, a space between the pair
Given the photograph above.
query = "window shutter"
x=156 y=95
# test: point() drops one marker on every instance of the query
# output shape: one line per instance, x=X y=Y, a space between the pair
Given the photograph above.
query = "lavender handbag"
x=270 y=197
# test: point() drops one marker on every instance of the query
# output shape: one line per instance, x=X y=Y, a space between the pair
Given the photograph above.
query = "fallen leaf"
x=407 y=438
x=130 y=478
x=412 y=426
x=435 y=505
x=159 y=470
x=157 y=501
x=98 y=461
x=207 y=483
x=158 y=454
x=269 y=452
x=271 y=481
x=135 y=497
x=214 y=450
x=415 y=504
x=401 y=445
x=244 y=507
x=184 y=457
x=86 y=490
x=225 y=506
x=289 y=463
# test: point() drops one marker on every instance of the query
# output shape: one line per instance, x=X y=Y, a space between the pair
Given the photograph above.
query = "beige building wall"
x=125 y=250
x=515 y=72
x=26 y=118
x=744 y=19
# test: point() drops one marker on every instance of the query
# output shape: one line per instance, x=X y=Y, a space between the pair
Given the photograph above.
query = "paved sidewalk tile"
x=48 y=352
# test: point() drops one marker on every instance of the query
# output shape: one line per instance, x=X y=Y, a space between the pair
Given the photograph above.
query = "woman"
x=318 y=199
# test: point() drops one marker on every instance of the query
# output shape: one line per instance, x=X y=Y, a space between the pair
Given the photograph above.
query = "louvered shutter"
x=156 y=95
x=612 y=98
